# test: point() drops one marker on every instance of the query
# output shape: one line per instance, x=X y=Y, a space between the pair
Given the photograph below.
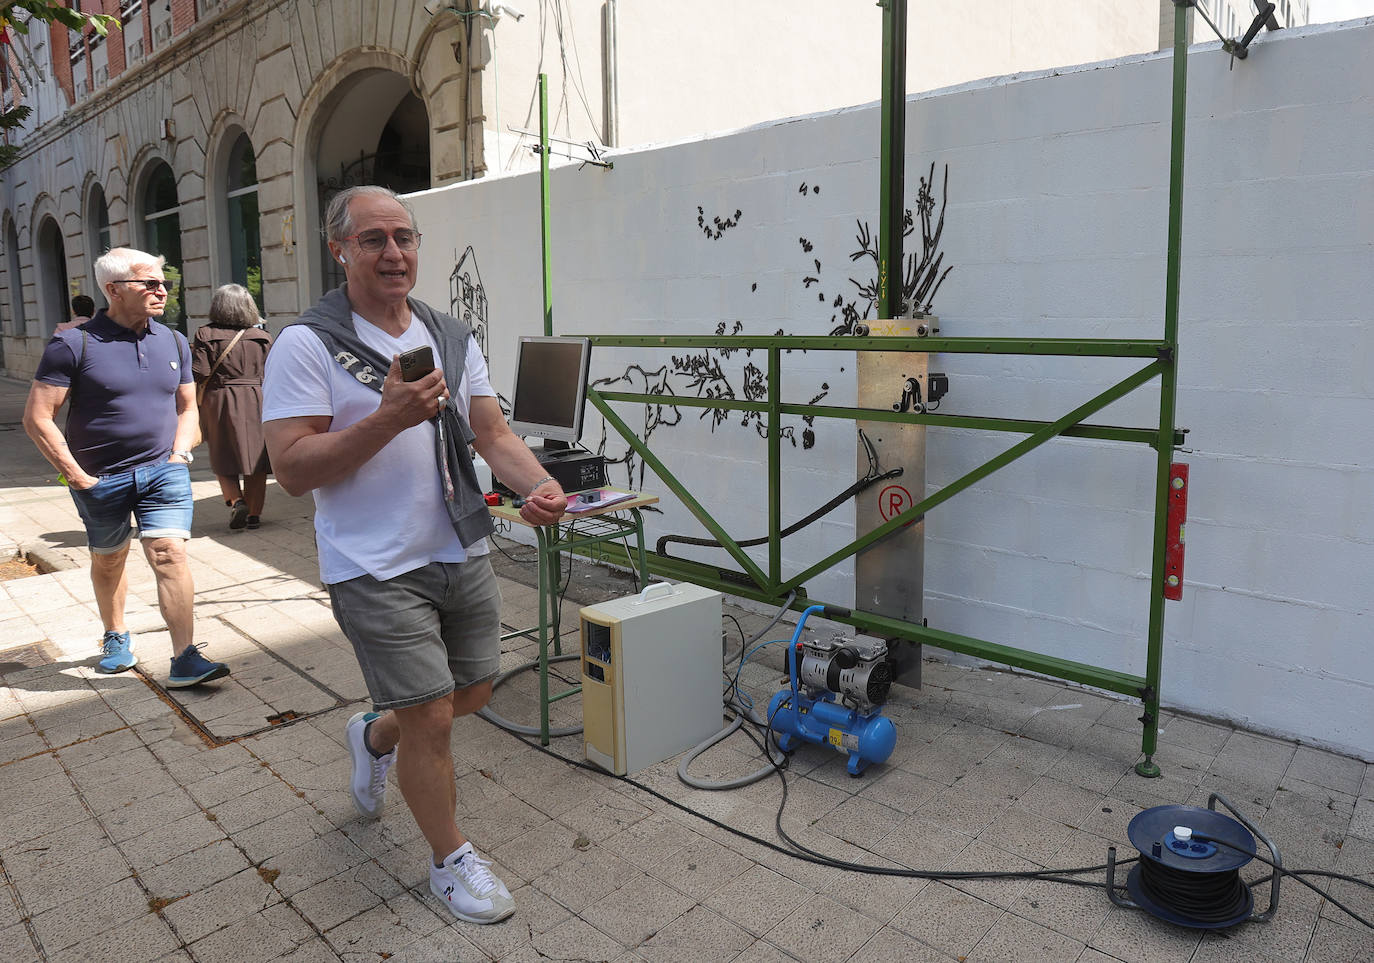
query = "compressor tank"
x=865 y=739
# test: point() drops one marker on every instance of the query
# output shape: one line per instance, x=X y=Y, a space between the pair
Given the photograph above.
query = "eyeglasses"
x=374 y=241
x=150 y=284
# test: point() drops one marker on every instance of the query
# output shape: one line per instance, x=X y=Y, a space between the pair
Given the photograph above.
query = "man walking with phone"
x=399 y=518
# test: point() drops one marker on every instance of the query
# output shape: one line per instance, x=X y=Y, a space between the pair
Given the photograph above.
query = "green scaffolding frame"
x=1160 y=359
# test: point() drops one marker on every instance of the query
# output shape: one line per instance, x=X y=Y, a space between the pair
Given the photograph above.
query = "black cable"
x=1048 y=874
x=1202 y=897
x=795 y=527
x=1298 y=874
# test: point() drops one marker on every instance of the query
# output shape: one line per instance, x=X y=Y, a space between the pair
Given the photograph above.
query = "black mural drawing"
x=721 y=226
x=467 y=297
x=703 y=373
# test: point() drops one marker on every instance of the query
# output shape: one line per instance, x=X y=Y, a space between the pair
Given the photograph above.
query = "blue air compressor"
x=836 y=696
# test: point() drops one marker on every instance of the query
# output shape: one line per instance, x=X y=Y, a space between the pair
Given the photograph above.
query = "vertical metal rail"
x=774 y=466
x=544 y=200
x=892 y=162
x=1168 y=391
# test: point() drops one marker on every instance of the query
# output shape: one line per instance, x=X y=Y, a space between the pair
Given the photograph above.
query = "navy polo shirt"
x=122 y=410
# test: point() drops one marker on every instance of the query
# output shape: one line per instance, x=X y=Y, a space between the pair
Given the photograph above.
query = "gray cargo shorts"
x=422 y=634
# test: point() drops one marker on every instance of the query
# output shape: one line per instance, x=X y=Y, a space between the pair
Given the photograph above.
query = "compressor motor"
x=838 y=687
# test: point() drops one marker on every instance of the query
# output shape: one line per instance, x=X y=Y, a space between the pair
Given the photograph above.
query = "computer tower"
x=651 y=675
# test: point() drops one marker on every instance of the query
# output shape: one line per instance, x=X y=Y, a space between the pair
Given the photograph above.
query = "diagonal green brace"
x=676 y=487
x=1027 y=444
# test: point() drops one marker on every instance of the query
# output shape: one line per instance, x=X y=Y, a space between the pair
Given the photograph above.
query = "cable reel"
x=1189 y=868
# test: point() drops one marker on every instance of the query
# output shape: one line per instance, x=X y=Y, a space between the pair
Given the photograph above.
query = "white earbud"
x=342 y=259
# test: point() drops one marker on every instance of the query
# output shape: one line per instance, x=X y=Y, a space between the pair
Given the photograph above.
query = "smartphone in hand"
x=416 y=363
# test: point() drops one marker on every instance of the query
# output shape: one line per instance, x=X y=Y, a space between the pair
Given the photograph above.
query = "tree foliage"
x=45 y=11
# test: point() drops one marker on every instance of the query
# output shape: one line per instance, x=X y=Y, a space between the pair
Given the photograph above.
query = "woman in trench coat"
x=227 y=360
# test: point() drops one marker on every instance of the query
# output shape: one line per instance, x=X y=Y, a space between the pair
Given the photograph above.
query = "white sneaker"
x=368 y=784
x=469 y=889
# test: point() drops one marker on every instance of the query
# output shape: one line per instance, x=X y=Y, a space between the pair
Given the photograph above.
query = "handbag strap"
x=224 y=354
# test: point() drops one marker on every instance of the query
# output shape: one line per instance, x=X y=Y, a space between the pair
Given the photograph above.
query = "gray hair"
x=338 y=220
x=233 y=307
x=118 y=263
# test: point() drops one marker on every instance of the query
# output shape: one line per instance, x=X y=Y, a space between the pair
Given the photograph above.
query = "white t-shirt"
x=388 y=517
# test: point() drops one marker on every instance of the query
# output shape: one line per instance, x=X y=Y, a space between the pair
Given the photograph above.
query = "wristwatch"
x=186 y=455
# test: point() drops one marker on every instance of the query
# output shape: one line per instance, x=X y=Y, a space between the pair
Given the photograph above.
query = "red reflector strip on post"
x=1173 y=536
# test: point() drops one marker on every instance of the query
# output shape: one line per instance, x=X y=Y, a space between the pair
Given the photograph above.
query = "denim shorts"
x=158 y=496
x=422 y=634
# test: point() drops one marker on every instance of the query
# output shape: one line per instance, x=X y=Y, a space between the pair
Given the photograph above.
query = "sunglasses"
x=151 y=285
x=372 y=242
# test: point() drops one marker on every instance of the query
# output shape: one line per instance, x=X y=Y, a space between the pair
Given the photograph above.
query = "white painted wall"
x=1055 y=226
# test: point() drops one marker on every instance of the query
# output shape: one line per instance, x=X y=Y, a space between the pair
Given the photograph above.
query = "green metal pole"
x=891 y=213
x=544 y=199
x=1168 y=390
x=774 y=466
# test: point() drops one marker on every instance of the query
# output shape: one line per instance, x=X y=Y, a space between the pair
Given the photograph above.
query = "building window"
x=97 y=226
x=162 y=235
x=14 y=283
x=241 y=201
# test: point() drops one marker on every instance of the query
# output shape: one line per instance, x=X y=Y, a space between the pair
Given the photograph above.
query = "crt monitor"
x=550 y=389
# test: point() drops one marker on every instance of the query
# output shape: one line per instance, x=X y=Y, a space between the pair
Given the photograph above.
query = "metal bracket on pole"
x=595 y=151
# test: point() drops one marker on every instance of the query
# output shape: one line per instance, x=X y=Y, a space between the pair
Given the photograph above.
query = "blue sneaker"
x=192 y=668
x=117 y=653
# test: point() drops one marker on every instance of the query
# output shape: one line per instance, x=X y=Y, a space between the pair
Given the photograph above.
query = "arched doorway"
x=375 y=132
x=54 y=294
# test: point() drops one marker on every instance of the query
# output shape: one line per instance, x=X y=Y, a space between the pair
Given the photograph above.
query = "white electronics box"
x=651 y=675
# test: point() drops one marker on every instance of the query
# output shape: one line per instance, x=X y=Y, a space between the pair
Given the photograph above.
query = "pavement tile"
x=534 y=853
x=947 y=919
x=1340 y=943
x=314 y=860
x=535 y=913
x=700 y=867
x=220 y=904
x=1014 y=940
x=15 y=944
x=858 y=820
x=641 y=907
x=646 y=843
x=89 y=914
x=170 y=839
x=821 y=930
x=144 y=938
x=134 y=818
x=332 y=901
x=877 y=896
x=1362 y=821
x=273 y=934
x=1026 y=834
x=890 y=945
x=390 y=926
x=586 y=876
x=757 y=899
x=194 y=871
x=63 y=809
x=1136 y=937
x=573 y=939
x=761 y=951
x=451 y=944
x=967 y=811
x=698 y=934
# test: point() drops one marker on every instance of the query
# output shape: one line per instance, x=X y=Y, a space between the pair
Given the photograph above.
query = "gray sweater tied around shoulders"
x=332 y=321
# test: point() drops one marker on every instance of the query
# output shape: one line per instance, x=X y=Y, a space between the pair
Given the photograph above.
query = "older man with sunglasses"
x=400 y=520
x=125 y=452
